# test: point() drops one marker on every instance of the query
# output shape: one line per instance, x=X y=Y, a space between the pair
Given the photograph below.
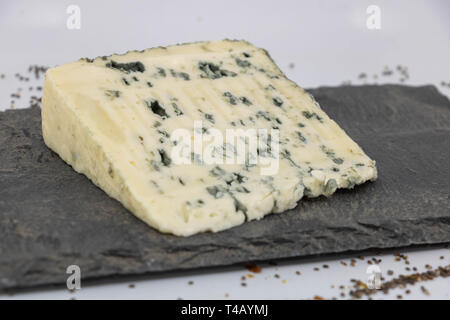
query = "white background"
x=314 y=42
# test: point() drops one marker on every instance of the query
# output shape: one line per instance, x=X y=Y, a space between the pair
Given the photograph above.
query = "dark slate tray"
x=51 y=217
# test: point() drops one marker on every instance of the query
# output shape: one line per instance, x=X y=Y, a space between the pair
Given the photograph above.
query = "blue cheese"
x=114 y=118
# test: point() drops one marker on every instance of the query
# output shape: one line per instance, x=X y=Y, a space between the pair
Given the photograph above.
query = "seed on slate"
x=190 y=283
x=428 y=266
x=276 y=275
x=243 y=284
x=298 y=273
x=318 y=298
x=253 y=268
x=399 y=296
x=408 y=291
x=390 y=272
x=316 y=269
x=343 y=263
x=131 y=286
x=325 y=266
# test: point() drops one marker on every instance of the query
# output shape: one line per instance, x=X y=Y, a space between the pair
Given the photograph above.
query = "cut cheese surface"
x=131 y=123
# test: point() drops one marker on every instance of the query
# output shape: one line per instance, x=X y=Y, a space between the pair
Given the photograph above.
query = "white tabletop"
x=314 y=42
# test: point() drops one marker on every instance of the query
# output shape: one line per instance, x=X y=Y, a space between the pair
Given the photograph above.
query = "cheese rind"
x=112 y=119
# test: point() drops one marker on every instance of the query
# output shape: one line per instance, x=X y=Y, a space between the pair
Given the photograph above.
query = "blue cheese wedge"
x=117 y=120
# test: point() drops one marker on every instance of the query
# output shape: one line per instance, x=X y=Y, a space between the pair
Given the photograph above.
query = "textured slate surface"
x=52 y=217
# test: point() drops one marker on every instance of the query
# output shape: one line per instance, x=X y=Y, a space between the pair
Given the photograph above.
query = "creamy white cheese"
x=112 y=118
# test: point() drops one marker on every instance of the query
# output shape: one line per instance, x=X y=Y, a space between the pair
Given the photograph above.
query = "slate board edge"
x=118 y=276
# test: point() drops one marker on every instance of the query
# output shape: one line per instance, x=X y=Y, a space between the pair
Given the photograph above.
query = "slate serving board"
x=51 y=217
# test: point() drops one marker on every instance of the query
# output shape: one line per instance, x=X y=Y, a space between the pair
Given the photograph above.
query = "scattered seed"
x=402 y=281
x=386 y=71
x=425 y=291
